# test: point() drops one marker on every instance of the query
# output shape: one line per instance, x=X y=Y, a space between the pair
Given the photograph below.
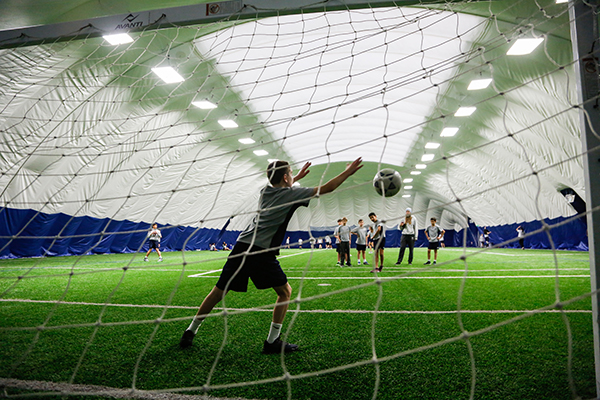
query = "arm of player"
x=334 y=183
x=303 y=172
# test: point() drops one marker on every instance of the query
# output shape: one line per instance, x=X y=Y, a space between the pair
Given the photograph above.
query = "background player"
x=361 y=233
x=154 y=237
x=434 y=234
x=378 y=235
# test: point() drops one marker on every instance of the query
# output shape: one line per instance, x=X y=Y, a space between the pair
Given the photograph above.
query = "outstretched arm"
x=303 y=172
x=334 y=183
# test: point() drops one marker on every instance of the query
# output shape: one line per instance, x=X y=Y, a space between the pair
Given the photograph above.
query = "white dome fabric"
x=88 y=129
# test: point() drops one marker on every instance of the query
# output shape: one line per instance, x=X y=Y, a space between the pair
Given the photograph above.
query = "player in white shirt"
x=154 y=237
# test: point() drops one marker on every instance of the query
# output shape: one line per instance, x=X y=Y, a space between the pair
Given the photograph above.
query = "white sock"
x=196 y=322
x=274 y=332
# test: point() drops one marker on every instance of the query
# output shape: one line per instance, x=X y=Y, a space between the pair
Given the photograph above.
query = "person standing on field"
x=254 y=255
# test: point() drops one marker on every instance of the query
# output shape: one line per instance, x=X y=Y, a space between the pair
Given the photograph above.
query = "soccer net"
x=177 y=125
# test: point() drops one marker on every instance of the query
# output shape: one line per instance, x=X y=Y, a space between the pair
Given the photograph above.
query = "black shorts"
x=337 y=248
x=379 y=243
x=154 y=244
x=361 y=247
x=260 y=266
x=433 y=245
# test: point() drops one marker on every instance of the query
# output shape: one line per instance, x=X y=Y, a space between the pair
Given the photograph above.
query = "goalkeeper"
x=254 y=254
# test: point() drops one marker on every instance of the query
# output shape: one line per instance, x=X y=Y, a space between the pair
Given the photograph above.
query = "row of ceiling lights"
x=520 y=47
x=170 y=75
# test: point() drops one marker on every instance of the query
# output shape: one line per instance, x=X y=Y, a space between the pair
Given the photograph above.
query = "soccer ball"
x=387 y=182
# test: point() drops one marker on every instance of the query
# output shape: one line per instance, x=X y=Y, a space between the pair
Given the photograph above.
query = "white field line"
x=302 y=252
x=78 y=303
x=372 y=277
x=479 y=251
x=63 y=389
x=219 y=270
x=204 y=273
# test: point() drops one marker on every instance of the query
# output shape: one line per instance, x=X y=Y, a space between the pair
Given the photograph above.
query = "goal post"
x=586 y=53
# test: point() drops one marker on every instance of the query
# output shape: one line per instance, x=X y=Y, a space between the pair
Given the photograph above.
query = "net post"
x=586 y=53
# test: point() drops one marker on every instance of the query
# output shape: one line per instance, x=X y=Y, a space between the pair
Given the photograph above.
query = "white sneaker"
x=159 y=259
x=145 y=258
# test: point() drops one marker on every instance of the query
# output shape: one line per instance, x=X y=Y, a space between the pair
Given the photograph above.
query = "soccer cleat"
x=365 y=262
x=375 y=270
x=186 y=339
x=145 y=258
x=348 y=265
x=159 y=259
x=428 y=262
x=358 y=262
x=277 y=346
x=398 y=263
x=435 y=262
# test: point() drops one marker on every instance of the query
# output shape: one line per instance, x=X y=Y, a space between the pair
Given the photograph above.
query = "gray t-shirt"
x=344 y=232
x=376 y=225
x=336 y=233
x=433 y=232
x=361 y=234
x=277 y=205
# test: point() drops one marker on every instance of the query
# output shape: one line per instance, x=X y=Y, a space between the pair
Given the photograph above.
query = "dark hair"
x=276 y=170
x=372 y=214
x=433 y=219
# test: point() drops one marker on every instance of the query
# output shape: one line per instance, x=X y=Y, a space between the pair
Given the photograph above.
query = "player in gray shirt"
x=344 y=236
x=361 y=233
x=254 y=254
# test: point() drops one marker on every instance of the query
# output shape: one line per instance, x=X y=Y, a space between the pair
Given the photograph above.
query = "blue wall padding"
x=27 y=233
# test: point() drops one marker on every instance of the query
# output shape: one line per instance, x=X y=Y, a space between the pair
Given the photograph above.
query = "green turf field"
x=115 y=321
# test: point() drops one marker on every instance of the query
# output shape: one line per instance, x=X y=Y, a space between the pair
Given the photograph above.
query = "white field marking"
x=487 y=270
x=204 y=273
x=483 y=252
x=218 y=270
x=324 y=284
x=297 y=254
x=270 y=310
x=60 y=388
x=372 y=277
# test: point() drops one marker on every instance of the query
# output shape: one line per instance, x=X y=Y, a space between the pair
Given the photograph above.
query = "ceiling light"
x=465 y=111
x=168 y=74
x=117 y=39
x=408 y=180
x=270 y=160
x=228 y=123
x=261 y=152
x=204 y=105
x=415 y=172
x=524 y=46
x=420 y=166
x=408 y=187
x=427 y=157
x=246 y=141
x=447 y=132
x=432 y=145
x=406 y=195
x=479 y=84
x=561 y=1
